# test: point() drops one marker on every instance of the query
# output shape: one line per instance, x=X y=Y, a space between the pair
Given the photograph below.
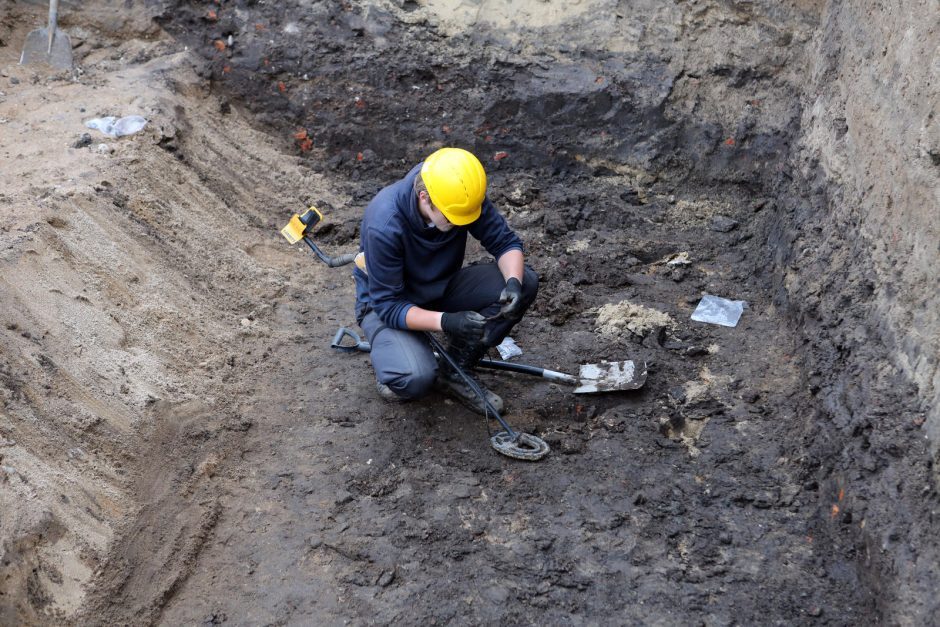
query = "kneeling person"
x=414 y=235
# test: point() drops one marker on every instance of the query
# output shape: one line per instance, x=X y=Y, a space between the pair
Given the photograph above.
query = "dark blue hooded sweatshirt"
x=410 y=263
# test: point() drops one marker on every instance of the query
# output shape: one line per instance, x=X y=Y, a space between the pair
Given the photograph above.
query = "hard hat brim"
x=463 y=220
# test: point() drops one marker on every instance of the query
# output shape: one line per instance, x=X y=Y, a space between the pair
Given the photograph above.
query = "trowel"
x=48 y=45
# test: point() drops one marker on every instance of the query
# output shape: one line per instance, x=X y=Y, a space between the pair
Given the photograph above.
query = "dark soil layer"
x=753 y=480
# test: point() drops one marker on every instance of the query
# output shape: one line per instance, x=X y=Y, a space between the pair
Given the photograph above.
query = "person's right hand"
x=466 y=326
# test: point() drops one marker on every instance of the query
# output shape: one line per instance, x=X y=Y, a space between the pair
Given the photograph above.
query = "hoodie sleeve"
x=385 y=267
x=493 y=231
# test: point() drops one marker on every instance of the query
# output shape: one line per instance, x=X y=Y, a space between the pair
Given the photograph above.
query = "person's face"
x=432 y=213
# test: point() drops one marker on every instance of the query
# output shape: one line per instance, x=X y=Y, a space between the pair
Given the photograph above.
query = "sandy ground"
x=123 y=342
x=179 y=445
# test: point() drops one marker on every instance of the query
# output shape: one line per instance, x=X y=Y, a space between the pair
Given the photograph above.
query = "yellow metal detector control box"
x=299 y=225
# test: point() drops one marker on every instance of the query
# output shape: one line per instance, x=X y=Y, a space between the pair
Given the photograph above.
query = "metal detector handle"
x=360 y=345
x=551 y=375
x=333 y=262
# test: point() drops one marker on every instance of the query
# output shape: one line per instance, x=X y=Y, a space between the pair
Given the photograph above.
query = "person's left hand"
x=511 y=298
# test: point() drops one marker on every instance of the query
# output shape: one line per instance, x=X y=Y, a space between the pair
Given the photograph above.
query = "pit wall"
x=857 y=241
x=870 y=129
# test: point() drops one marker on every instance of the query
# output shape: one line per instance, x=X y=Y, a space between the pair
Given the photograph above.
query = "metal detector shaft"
x=333 y=262
x=473 y=385
x=363 y=346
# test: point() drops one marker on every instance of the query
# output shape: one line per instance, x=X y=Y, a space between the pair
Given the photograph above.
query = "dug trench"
x=764 y=474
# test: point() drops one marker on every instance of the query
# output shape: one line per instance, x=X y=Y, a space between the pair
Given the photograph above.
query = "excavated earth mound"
x=179 y=444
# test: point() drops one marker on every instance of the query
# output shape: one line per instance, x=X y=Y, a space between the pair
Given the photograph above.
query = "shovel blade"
x=36 y=49
x=610 y=376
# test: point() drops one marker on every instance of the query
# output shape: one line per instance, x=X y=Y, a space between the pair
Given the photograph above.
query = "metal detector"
x=508 y=442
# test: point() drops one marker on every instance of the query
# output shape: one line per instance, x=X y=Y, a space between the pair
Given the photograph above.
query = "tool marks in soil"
x=178 y=498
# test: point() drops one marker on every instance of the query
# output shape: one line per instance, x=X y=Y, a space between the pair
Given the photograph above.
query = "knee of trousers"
x=412 y=384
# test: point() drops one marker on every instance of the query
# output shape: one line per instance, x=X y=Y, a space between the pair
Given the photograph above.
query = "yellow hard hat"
x=456 y=183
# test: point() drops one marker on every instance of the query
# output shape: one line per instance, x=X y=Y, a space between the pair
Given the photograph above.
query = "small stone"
x=104 y=149
x=14 y=80
x=722 y=224
x=725 y=538
x=386 y=578
x=765 y=499
x=677 y=393
x=343 y=497
x=460 y=491
x=81 y=142
x=76 y=453
x=572 y=446
x=245 y=322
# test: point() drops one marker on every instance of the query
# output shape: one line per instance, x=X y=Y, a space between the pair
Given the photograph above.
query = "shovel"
x=48 y=45
x=606 y=376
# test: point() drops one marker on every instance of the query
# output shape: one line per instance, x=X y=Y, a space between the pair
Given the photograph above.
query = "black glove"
x=511 y=297
x=466 y=326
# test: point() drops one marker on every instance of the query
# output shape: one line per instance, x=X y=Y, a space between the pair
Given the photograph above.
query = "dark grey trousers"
x=403 y=360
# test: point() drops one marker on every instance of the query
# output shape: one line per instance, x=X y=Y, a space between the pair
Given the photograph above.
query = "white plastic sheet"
x=717 y=310
x=114 y=127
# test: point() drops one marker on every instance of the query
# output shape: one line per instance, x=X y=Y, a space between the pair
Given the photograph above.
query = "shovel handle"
x=545 y=373
x=360 y=345
x=53 y=18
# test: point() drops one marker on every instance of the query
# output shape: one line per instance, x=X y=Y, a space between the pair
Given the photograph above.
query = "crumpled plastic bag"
x=717 y=310
x=508 y=348
x=114 y=127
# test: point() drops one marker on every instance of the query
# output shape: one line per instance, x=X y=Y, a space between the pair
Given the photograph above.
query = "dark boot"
x=452 y=384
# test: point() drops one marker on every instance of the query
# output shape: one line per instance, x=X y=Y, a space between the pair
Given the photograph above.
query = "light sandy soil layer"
x=136 y=290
